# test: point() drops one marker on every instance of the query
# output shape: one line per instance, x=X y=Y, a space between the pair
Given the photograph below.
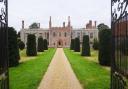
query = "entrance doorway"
x=60 y=44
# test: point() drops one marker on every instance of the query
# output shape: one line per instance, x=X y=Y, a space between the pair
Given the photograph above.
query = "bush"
x=72 y=44
x=77 y=45
x=105 y=47
x=95 y=44
x=31 y=45
x=21 y=45
x=13 y=49
x=45 y=44
x=40 y=46
x=85 y=46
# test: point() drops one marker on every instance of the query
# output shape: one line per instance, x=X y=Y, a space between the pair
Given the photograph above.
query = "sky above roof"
x=80 y=11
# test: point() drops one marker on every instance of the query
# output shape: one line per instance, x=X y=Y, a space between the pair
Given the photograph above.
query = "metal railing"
x=4 y=79
x=119 y=70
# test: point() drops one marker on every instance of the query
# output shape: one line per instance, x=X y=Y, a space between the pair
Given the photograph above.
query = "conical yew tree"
x=31 y=45
x=85 y=46
x=77 y=45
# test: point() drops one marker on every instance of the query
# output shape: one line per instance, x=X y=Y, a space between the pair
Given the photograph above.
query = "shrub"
x=13 y=49
x=40 y=46
x=45 y=44
x=77 y=45
x=85 y=46
x=105 y=47
x=34 y=26
x=95 y=44
x=72 y=44
x=21 y=45
x=31 y=45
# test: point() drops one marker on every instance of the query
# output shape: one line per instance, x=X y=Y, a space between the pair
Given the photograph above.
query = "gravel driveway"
x=59 y=74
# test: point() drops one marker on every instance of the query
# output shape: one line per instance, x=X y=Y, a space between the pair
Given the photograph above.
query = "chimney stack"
x=50 y=22
x=64 y=24
x=39 y=25
x=69 y=22
x=95 y=24
x=90 y=22
x=22 y=24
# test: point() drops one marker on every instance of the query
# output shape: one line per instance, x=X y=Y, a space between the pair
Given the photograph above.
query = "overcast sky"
x=80 y=12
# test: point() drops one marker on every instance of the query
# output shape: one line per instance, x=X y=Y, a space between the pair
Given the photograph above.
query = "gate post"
x=4 y=74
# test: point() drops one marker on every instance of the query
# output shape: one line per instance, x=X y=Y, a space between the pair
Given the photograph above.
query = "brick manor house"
x=61 y=36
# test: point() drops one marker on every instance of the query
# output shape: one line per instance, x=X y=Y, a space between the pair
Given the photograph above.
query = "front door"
x=60 y=44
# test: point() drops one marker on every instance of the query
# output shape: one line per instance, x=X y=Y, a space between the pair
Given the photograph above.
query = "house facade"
x=61 y=36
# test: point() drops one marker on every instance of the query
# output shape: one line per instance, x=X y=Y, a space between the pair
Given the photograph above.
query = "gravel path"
x=59 y=74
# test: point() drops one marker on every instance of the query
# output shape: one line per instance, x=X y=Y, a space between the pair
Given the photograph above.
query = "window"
x=59 y=34
x=54 y=34
x=47 y=35
x=40 y=34
x=65 y=34
x=84 y=33
x=78 y=35
x=91 y=35
x=65 y=43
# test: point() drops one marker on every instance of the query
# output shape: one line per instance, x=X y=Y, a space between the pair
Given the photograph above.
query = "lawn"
x=90 y=74
x=29 y=73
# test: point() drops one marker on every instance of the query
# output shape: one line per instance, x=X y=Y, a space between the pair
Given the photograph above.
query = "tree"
x=31 y=45
x=102 y=26
x=72 y=44
x=13 y=49
x=85 y=46
x=77 y=45
x=45 y=44
x=40 y=46
x=105 y=47
x=95 y=44
x=21 y=45
x=18 y=34
x=34 y=26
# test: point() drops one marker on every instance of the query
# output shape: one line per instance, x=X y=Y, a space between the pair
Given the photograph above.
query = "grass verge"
x=90 y=74
x=29 y=74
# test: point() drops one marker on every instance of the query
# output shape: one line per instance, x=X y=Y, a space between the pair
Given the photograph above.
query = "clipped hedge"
x=77 y=45
x=21 y=45
x=45 y=44
x=13 y=49
x=31 y=45
x=105 y=47
x=40 y=46
x=72 y=44
x=95 y=44
x=85 y=46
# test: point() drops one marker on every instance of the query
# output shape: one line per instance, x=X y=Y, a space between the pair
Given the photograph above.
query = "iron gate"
x=4 y=79
x=119 y=71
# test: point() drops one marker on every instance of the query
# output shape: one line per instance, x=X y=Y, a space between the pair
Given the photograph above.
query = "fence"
x=119 y=72
x=4 y=79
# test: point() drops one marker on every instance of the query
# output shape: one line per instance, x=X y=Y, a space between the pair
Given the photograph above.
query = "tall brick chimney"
x=22 y=24
x=64 y=24
x=39 y=25
x=69 y=22
x=90 y=23
x=95 y=24
x=50 y=22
